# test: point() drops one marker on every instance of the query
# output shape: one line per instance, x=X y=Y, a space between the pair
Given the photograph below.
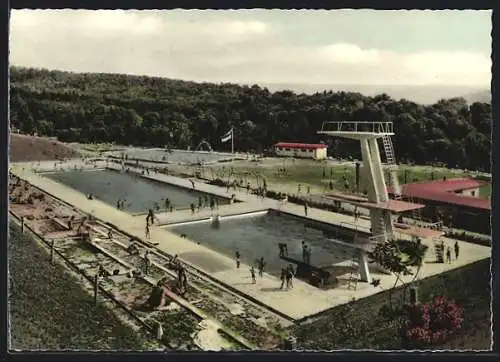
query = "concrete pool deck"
x=300 y=302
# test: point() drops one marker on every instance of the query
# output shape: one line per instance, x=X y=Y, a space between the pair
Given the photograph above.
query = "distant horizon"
x=477 y=86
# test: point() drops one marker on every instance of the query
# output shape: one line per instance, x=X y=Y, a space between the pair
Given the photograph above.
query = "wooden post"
x=52 y=244
x=96 y=287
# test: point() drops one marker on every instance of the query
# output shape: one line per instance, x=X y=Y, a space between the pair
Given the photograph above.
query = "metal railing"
x=357 y=127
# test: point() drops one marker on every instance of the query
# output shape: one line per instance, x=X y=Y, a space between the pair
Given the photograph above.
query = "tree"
x=141 y=110
x=399 y=256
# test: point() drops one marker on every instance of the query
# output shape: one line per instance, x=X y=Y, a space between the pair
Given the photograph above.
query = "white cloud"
x=249 y=51
x=349 y=53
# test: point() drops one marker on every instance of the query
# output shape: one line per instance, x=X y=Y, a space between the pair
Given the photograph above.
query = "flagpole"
x=232 y=140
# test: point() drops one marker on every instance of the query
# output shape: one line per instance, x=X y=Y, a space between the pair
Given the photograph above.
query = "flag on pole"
x=228 y=136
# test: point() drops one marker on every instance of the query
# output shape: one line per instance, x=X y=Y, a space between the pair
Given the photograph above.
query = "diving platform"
x=393 y=206
x=378 y=202
x=358 y=130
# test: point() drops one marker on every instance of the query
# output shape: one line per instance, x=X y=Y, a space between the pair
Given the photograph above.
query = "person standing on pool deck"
x=282 y=250
x=237 y=259
x=457 y=249
x=118 y=204
x=192 y=208
x=304 y=251
x=261 y=266
x=148 y=233
x=305 y=208
x=283 y=277
x=151 y=215
x=308 y=255
x=192 y=184
x=289 y=276
x=252 y=273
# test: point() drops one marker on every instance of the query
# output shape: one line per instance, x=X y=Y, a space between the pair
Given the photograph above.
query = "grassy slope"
x=50 y=310
x=28 y=148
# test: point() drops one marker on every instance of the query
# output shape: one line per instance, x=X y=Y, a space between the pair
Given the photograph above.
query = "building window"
x=303 y=150
x=287 y=149
x=473 y=193
x=310 y=150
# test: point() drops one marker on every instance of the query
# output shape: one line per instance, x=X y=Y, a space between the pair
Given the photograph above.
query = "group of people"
x=260 y=267
x=299 y=189
x=120 y=204
x=442 y=251
x=204 y=201
x=287 y=274
x=168 y=205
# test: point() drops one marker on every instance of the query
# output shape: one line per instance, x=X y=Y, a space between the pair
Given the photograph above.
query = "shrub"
x=432 y=323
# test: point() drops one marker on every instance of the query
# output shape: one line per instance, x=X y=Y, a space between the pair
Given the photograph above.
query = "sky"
x=369 y=47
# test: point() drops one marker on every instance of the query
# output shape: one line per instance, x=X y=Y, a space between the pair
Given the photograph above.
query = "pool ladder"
x=352 y=282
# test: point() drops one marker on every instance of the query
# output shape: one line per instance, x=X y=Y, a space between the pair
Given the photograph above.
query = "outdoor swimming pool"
x=258 y=236
x=174 y=156
x=140 y=193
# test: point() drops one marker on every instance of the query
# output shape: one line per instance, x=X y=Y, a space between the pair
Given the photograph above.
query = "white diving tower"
x=368 y=134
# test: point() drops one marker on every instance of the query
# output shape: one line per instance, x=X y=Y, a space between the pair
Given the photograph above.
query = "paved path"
x=301 y=301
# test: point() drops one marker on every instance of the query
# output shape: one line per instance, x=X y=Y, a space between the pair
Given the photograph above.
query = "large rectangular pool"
x=259 y=235
x=174 y=156
x=140 y=193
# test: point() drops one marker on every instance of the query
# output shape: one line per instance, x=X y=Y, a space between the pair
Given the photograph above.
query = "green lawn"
x=318 y=175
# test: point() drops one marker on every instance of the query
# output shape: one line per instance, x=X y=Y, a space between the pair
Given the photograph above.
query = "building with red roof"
x=455 y=199
x=316 y=151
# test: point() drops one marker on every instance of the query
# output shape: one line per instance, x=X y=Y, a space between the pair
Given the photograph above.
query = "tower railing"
x=357 y=127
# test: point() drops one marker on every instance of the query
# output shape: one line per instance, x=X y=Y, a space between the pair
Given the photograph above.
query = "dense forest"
x=149 y=111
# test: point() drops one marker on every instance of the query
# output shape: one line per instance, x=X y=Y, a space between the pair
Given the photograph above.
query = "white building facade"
x=301 y=150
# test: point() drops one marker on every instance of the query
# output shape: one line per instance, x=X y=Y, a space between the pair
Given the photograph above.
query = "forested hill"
x=157 y=112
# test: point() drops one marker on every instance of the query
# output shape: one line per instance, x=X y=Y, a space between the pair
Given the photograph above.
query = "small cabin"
x=301 y=150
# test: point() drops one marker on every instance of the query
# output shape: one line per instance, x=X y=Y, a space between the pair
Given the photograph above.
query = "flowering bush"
x=432 y=323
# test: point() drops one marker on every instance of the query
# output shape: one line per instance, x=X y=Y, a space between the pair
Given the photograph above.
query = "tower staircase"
x=392 y=166
x=438 y=250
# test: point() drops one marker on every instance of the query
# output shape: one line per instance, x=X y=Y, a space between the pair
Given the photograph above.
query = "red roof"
x=300 y=145
x=395 y=206
x=444 y=191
